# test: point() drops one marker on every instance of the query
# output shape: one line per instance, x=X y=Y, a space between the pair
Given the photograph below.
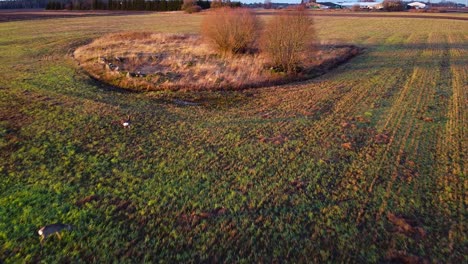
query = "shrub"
x=193 y=9
x=356 y=8
x=287 y=39
x=230 y=31
x=216 y=4
x=189 y=6
x=393 y=5
x=225 y=3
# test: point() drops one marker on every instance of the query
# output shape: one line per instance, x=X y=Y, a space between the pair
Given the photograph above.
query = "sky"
x=298 y=1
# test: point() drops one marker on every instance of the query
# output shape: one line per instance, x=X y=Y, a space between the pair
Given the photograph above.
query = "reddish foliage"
x=278 y=140
x=404 y=226
x=347 y=145
x=193 y=219
x=299 y=184
x=87 y=199
x=382 y=139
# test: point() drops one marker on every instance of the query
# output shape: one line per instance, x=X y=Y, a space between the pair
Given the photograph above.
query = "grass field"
x=364 y=164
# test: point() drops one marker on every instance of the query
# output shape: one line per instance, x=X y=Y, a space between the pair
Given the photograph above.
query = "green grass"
x=308 y=197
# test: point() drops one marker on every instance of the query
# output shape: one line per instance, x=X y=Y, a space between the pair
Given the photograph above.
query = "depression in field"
x=217 y=131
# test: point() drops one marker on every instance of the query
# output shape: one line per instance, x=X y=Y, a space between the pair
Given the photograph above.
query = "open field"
x=368 y=14
x=364 y=164
x=7 y=15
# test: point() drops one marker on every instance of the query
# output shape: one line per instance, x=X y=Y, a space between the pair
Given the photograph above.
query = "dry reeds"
x=155 y=61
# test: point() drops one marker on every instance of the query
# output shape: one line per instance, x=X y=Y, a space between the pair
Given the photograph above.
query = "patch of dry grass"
x=155 y=61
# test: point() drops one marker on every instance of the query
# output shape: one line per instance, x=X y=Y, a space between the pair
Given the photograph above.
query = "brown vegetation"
x=393 y=5
x=216 y=4
x=287 y=40
x=190 y=6
x=193 y=9
x=152 y=61
x=87 y=199
x=405 y=226
x=230 y=31
x=356 y=8
x=146 y=61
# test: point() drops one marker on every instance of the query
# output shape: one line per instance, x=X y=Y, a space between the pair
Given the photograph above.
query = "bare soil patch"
x=154 y=61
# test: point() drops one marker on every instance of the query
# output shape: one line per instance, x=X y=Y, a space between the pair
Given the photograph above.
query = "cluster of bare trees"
x=285 y=40
x=393 y=5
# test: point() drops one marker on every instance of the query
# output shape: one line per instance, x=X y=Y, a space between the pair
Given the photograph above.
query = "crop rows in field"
x=452 y=149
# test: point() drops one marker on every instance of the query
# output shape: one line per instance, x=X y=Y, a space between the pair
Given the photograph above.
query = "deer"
x=52 y=229
x=126 y=122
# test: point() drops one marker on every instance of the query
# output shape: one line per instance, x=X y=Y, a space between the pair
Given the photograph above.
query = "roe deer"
x=49 y=230
x=126 y=122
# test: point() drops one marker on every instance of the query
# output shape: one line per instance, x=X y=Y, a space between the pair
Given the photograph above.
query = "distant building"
x=417 y=5
x=377 y=6
x=314 y=5
x=330 y=5
x=363 y=5
x=322 y=5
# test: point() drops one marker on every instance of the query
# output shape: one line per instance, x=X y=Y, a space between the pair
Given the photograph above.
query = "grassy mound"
x=155 y=61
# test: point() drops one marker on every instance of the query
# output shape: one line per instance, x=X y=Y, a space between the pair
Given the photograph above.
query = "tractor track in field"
x=407 y=150
x=361 y=167
x=452 y=148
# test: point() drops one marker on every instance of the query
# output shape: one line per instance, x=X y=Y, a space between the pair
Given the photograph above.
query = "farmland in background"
x=365 y=163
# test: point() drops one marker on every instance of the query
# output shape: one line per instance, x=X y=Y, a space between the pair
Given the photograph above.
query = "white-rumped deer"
x=49 y=230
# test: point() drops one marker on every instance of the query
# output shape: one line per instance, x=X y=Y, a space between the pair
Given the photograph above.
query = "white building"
x=417 y=5
x=363 y=5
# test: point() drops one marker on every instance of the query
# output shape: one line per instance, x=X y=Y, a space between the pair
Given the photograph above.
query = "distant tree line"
x=223 y=3
x=137 y=5
x=157 y=5
x=149 y=5
x=10 y=4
